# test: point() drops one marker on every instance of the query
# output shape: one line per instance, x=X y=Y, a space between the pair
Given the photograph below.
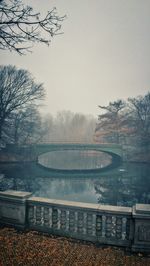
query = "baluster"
x=67 y=220
x=34 y=215
x=89 y=223
x=108 y=226
x=80 y=222
x=46 y=216
x=63 y=220
x=42 y=216
x=113 y=230
x=50 y=217
x=71 y=221
x=119 y=228
x=38 y=215
x=94 y=224
x=76 y=222
x=124 y=221
x=127 y=229
x=84 y=223
x=98 y=225
x=58 y=218
x=54 y=218
x=103 y=225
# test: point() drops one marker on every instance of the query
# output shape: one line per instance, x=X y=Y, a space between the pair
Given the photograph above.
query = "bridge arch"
x=114 y=150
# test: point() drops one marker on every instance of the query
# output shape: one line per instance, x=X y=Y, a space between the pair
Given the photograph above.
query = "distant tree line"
x=67 y=126
x=125 y=122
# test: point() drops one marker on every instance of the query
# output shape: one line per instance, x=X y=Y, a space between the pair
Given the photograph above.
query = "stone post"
x=141 y=238
x=13 y=208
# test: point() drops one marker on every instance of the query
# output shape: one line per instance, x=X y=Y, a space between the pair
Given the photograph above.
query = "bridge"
x=114 y=150
x=33 y=151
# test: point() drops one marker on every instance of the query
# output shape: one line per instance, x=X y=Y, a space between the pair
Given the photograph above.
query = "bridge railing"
x=80 y=142
x=103 y=224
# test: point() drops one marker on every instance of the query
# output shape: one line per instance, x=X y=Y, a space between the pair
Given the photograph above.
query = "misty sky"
x=103 y=55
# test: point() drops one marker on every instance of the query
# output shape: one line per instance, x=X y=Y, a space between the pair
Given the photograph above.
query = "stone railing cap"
x=76 y=204
x=117 y=209
x=64 y=203
x=142 y=208
x=15 y=194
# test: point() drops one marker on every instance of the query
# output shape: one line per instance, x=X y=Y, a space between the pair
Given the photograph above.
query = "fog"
x=102 y=55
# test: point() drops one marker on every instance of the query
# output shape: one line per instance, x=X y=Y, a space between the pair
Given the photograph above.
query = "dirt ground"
x=33 y=248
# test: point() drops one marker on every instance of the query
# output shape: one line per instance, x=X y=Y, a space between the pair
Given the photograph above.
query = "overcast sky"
x=103 y=55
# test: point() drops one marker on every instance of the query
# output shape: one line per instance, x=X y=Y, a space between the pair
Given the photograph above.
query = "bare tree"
x=24 y=126
x=140 y=118
x=17 y=90
x=21 y=27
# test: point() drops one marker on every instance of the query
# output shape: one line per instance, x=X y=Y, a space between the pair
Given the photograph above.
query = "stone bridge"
x=32 y=152
x=114 y=150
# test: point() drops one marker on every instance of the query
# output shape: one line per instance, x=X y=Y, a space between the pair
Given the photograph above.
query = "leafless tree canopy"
x=17 y=90
x=21 y=27
x=23 y=127
x=140 y=110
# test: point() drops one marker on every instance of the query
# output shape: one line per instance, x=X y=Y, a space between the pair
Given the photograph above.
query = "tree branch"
x=20 y=25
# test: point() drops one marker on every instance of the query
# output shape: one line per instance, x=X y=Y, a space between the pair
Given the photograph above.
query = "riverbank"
x=32 y=248
x=20 y=155
x=135 y=154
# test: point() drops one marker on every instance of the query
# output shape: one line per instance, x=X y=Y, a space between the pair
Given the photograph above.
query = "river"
x=123 y=186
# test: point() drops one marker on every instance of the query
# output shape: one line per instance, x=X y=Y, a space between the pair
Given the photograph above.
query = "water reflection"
x=75 y=159
x=116 y=187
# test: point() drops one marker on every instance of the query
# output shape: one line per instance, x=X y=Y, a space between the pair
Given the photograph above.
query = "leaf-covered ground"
x=33 y=248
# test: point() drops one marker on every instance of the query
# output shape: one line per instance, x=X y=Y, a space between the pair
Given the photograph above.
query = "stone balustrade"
x=103 y=224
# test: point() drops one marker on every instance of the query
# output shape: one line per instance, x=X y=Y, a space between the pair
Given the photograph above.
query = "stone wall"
x=103 y=224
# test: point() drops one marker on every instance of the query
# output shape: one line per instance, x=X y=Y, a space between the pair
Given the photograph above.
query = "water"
x=123 y=186
x=75 y=159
